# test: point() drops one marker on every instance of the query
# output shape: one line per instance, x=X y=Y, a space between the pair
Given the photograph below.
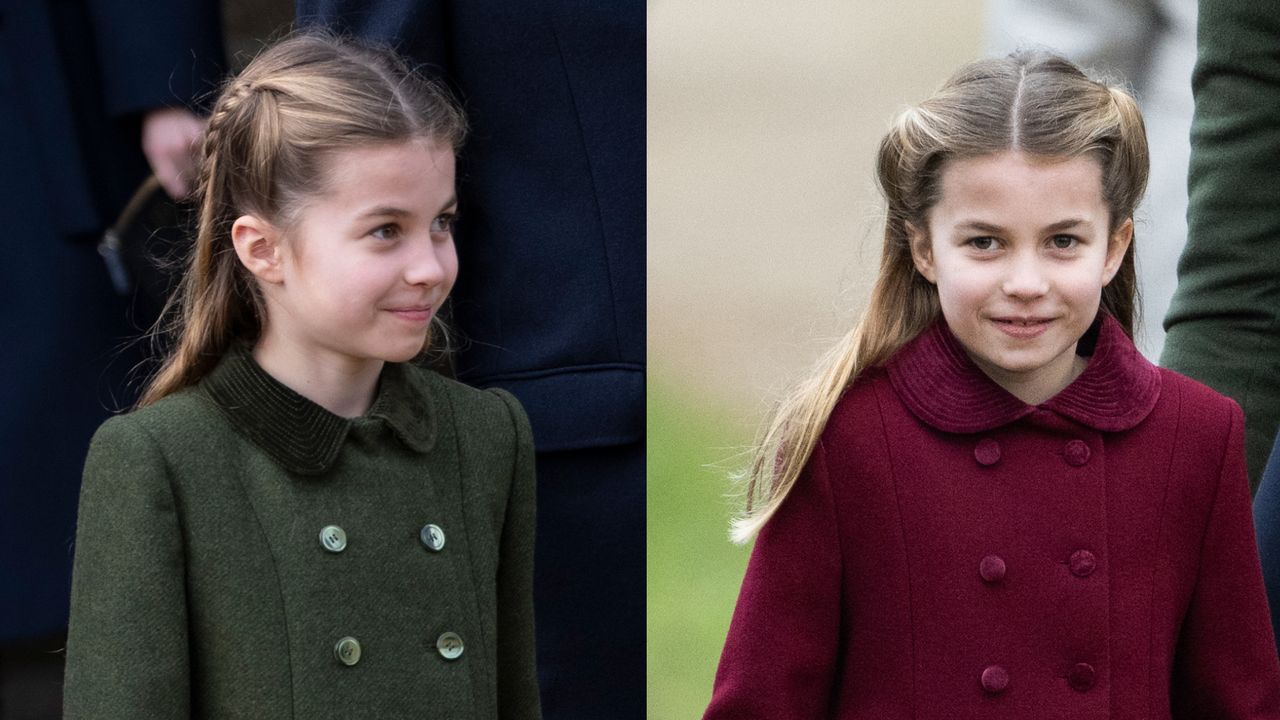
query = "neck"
x=344 y=386
x=1036 y=388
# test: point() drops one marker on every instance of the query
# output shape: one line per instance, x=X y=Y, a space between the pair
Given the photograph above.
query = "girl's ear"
x=257 y=244
x=921 y=252
x=1117 y=246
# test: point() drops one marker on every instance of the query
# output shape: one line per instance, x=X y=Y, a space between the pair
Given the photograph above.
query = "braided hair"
x=268 y=136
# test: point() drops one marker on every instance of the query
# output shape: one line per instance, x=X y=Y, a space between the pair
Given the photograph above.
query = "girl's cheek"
x=1087 y=282
x=962 y=288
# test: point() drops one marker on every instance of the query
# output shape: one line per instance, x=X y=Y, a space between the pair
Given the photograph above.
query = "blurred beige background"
x=763 y=237
x=763 y=227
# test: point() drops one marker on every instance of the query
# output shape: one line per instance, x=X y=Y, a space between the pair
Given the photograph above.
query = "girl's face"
x=1020 y=249
x=369 y=261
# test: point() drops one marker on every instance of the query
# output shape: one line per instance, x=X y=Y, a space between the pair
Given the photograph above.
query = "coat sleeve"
x=517 y=662
x=127 y=653
x=1226 y=666
x=779 y=659
x=1224 y=320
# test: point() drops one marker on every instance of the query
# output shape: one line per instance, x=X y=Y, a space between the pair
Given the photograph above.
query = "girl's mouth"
x=415 y=314
x=1022 y=328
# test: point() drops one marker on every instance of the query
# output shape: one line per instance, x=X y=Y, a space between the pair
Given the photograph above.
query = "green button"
x=449 y=645
x=333 y=538
x=347 y=651
x=432 y=537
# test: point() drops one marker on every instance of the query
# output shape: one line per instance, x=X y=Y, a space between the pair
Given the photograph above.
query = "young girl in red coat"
x=987 y=503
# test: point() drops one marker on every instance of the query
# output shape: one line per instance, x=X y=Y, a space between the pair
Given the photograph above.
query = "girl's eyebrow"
x=392 y=211
x=384 y=211
x=981 y=226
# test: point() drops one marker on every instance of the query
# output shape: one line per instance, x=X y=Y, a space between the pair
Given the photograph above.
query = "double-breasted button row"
x=987 y=452
x=347 y=650
x=993 y=568
x=334 y=538
x=1081 y=677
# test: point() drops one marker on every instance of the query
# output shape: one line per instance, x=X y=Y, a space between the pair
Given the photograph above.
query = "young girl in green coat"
x=297 y=522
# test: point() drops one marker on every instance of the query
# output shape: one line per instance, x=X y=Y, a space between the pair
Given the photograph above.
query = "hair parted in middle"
x=1030 y=101
x=271 y=131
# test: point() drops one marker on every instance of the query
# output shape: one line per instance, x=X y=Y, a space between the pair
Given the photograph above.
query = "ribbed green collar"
x=302 y=436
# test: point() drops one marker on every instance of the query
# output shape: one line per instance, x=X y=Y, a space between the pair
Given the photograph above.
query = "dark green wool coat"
x=1224 y=322
x=203 y=587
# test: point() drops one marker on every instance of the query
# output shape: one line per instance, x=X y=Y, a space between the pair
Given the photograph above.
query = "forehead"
x=1012 y=185
x=411 y=173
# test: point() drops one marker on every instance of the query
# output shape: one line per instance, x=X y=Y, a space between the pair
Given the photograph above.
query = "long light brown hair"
x=1033 y=102
x=270 y=132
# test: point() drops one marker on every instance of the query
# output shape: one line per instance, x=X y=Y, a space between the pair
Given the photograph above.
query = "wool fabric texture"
x=1224 y=320
x=952 y=552
x=203 y=589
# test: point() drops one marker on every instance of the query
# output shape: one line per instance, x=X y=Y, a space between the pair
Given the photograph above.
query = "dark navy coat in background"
x=550 y=292
x=550 y=295
x=1266 y=517
x=74 y=79
x=951 y=552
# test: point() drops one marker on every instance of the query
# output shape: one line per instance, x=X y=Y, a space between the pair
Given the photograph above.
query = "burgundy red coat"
x=951 y=552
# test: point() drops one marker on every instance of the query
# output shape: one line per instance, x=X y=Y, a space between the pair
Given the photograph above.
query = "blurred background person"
x=1224 y=327
x=94 y=96
x=1224 y=323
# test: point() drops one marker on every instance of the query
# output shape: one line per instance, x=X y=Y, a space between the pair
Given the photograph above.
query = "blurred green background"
x=762 y=238
x=693 y=571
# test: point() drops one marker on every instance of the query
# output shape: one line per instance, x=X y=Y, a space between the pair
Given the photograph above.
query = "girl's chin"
x=401 y=355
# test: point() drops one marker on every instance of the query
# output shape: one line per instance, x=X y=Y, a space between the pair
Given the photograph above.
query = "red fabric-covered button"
x=995 y=679
x=1082 y=563
x=987 y=452
x=992 y=569
x=1076 y=453
x=1081 y=677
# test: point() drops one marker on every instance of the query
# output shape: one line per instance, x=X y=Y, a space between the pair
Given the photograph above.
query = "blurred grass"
x=693 y=570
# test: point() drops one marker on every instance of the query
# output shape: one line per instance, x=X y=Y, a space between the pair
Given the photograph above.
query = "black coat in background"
x=75 y=78
x=550 y=296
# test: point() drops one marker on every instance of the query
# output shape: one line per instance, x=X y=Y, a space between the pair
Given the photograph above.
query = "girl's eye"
x=983 y=243
x=1064 y=242
x=443 y=223
x=389 y=231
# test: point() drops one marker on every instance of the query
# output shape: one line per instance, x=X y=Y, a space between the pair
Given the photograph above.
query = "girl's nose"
x=427 y=265
x=1025 y=277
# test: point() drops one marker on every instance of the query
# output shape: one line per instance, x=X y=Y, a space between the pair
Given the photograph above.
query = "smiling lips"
x=1022 y=327
x=412 y=313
